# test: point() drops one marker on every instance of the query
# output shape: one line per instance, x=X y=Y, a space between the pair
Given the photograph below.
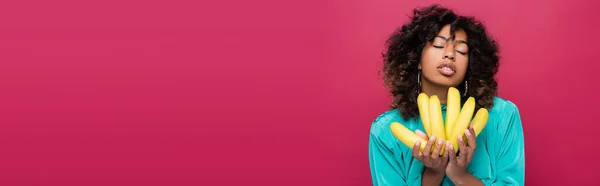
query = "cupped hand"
x=431 y=160
x=457 y=165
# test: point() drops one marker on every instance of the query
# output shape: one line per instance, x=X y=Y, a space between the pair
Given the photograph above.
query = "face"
x=443 y=61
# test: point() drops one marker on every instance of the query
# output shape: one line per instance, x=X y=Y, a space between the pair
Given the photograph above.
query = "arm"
x=385 y=158
x=506 y=151
x=457 y=168
x=432 y=178
x=510 y=153
x=388 y=162
x=469 y=180
x=384 y=168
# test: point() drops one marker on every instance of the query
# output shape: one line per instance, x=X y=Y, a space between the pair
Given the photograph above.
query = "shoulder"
x=503 y=107
x=380 y=128
x=381 y=124
x=504 y=116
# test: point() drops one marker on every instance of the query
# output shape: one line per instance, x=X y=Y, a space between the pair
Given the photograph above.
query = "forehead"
x=459 y=34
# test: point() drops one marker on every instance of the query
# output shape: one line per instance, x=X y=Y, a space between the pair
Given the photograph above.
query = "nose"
x=449 y=56
x=449 y=53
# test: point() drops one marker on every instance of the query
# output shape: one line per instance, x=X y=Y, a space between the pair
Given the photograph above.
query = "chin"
x=446 y=83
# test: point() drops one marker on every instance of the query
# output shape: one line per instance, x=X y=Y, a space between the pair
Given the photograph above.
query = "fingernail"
x=467 y=132
x=432 y=138
x=448 y=143
x=440 y=141
x=460 y=138
x=418 y=143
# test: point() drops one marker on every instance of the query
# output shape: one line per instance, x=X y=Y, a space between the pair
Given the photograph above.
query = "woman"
x=436 y=50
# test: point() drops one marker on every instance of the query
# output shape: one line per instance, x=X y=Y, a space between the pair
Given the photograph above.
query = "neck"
x=432 y=89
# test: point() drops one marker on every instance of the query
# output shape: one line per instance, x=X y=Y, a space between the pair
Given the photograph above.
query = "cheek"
x=462 y=64
x=429 y=58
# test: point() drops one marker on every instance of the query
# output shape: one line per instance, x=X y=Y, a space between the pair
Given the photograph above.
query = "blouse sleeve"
x=509 y=151
x=385 y=165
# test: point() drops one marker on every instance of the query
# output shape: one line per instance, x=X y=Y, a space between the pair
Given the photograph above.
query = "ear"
x=419 y=66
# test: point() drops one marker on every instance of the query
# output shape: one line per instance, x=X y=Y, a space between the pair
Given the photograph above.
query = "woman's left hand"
x=457 y=165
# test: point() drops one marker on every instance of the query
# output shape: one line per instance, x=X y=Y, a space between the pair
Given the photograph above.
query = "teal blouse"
x=498 y=160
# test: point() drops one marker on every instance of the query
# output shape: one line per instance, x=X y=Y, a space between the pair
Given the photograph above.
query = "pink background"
x=261 y=92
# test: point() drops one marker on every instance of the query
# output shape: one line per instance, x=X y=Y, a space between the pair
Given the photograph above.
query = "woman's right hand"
x=432 y=161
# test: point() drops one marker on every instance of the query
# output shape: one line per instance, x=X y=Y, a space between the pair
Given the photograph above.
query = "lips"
x=447 y=68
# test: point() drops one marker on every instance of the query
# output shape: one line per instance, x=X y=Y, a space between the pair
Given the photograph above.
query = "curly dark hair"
x=404 y=46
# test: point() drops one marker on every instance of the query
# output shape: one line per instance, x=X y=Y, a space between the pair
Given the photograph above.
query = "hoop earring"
x=466 y=88
x=419 y=79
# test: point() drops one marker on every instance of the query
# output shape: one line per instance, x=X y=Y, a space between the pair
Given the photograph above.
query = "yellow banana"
x=423 y=104
x=462 y=122
x=436 y=120
x=406 y=136
x=480 y=120
x=452 y=109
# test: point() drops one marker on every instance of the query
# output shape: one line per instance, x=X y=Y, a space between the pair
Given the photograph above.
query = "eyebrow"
x=458 y=41
x=445 y=38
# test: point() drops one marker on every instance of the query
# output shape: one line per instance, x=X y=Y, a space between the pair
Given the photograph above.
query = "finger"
x=446 y=152
x=450 y=151
x=467 y=142
x=435 y=155
x=472 y=130
x=427 y=150
x=429 y=146
x=416 y=151
x=462 y=156
x=471 y=139
x=436 y=152
x=472 y=144
x=421 y=134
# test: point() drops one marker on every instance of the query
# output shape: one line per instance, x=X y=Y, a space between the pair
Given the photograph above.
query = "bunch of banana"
x=457 y=120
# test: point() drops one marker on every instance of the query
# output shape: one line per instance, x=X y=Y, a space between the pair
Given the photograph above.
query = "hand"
x=457 y=166
x=432 y=160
